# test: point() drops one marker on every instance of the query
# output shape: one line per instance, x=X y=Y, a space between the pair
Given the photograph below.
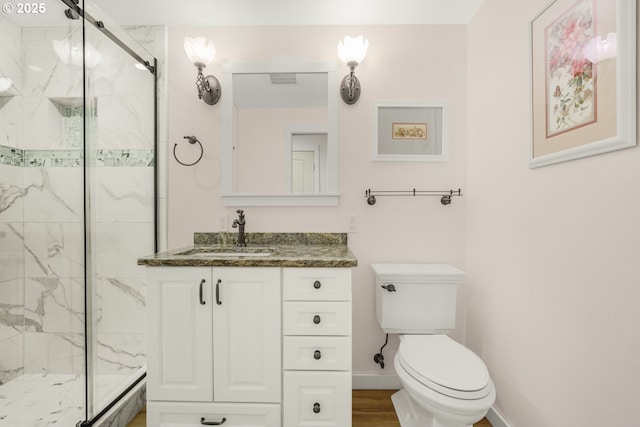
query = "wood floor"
x=371 y=408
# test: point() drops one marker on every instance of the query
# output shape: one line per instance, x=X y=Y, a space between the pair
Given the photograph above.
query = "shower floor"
x=36 y=400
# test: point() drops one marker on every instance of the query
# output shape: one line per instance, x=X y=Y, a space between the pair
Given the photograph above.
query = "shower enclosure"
x=78 y=135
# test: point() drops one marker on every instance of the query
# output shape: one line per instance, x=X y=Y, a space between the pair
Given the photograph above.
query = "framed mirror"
x=279 y=135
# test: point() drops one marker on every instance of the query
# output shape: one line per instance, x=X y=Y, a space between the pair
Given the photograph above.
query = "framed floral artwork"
x=410 y=132
x=583 y=79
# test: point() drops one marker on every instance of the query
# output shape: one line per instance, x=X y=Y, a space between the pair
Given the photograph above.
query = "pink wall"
x=552 y=254
x=404 y=64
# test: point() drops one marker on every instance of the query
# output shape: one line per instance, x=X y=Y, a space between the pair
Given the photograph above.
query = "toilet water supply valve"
x=379 y=358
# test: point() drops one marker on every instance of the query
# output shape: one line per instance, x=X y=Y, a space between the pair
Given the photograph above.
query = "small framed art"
x=410 y=132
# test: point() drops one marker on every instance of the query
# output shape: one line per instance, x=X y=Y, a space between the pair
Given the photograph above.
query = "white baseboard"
x=496 y=419
x=375 y=382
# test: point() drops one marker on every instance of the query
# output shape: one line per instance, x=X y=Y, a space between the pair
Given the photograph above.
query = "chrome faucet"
x=239 y=224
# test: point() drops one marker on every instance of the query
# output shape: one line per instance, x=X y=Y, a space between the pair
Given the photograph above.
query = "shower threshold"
x=41 y=400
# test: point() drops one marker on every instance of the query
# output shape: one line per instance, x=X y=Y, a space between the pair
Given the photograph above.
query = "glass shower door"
x=120 y=209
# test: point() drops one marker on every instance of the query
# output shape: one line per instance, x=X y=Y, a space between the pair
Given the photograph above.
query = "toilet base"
x=411 y=414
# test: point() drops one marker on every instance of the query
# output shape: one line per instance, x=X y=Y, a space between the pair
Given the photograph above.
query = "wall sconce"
x=352 y=52
x=201 y=52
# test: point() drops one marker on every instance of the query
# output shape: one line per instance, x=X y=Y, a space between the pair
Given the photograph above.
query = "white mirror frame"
x=328 y=198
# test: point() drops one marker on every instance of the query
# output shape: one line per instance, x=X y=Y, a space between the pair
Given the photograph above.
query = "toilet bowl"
x=444 y=384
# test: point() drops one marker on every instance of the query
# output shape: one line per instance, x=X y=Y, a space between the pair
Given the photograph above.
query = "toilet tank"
x=421 y=300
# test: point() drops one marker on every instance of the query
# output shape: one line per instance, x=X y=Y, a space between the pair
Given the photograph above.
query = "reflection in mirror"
x=279 y=135
x=308 y=162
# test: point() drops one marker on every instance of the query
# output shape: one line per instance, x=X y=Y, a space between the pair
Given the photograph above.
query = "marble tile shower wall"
x=42 y=206
x=11 y=208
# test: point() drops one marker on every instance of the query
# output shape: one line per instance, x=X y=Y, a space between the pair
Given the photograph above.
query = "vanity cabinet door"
x=179 y=311
x=247 y=330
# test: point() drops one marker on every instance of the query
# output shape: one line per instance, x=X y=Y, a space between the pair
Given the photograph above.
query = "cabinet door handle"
x=316 y=408
x=212 y=423
x=202 y=282
x=316 y=319
x=218 y=292
x=317 y=284
x=390 y=287
x=317 y=355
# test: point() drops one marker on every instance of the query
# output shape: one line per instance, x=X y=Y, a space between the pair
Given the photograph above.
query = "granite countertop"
x=263 y=250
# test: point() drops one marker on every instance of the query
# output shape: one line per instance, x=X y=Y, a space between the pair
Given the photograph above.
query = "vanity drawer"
x=317 y=399
x=185 y=414
x=317 y=353
x=316 y=284
x=316 y=318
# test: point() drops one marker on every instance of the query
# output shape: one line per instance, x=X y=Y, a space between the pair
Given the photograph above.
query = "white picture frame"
x=583 y=95
x=415 y=132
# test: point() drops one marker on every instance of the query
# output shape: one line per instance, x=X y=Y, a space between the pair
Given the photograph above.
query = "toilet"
x=444 y=384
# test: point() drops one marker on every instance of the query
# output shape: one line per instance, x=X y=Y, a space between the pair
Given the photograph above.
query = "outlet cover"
x=352 y=223
x=223 y=222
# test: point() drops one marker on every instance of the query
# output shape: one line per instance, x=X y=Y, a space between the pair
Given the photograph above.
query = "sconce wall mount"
x=350 y=85
x=209 y=89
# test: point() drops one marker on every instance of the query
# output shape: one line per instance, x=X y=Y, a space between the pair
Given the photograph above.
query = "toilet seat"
x=443 y=365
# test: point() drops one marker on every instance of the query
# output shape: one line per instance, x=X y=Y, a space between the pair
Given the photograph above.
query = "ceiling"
x=262 y=12
x=289 y=12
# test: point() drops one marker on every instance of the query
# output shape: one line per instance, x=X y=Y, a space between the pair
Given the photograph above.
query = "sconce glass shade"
x=353 y=49
x=5 y=83
x=199 y=50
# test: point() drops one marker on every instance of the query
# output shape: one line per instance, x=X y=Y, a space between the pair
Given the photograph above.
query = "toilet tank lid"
x=391 y=271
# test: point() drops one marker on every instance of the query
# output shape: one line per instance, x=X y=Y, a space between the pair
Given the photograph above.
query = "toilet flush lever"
x=389 y=288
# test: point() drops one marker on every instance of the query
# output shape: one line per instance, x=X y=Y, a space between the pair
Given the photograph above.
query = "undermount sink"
x=215 y=252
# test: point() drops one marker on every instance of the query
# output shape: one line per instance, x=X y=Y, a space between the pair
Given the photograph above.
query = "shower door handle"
x=202 y=302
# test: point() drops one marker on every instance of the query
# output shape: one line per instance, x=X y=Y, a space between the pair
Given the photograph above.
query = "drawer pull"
x=317 y=355
x=390 y=287
x=316 y=408
x=317 y=284
x=202 y=282
x=212 y=423
x=316 y=319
